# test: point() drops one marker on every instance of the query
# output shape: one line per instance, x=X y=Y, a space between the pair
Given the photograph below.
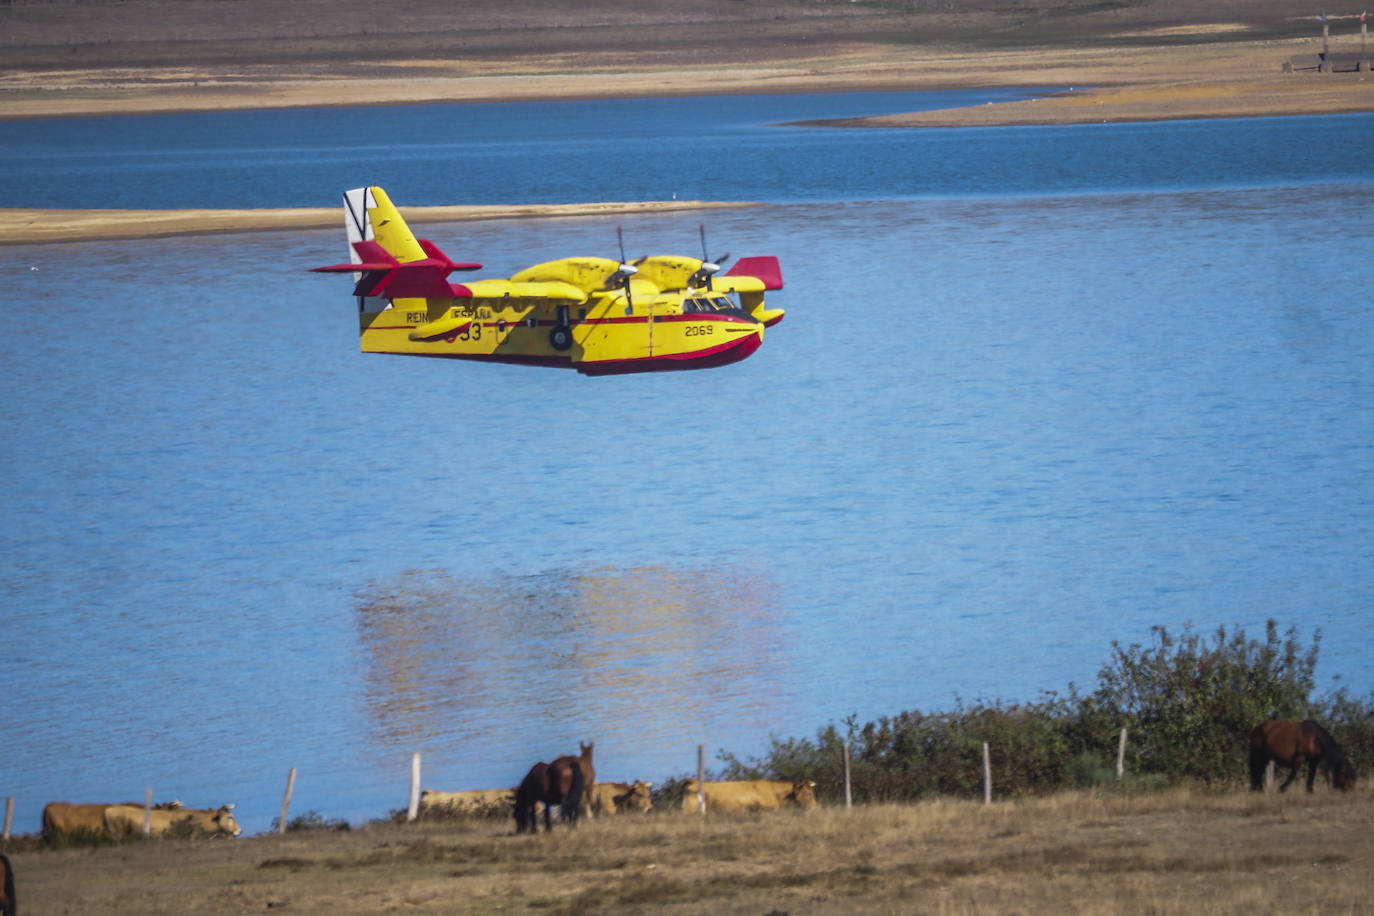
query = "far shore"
x=1101 y=81
x=1222 y=75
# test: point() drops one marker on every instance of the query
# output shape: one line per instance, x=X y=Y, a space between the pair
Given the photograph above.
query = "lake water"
x=710 y=148
x=1038 y=389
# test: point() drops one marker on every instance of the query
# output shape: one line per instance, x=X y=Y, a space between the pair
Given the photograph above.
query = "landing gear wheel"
x=560 y=338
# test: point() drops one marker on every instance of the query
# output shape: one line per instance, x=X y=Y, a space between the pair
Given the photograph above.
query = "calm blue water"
x=1000 y=427
x=710 y=148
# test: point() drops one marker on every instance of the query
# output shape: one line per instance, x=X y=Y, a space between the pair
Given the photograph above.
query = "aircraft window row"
x=716 y=304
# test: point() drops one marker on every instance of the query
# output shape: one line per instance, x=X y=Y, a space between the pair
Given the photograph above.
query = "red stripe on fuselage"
x=732 y=351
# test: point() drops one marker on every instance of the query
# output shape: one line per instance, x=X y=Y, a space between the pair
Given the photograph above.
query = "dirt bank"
x=1148 y=60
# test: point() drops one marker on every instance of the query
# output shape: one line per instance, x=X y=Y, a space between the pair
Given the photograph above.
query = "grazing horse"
x=584 y=760
x=1293 y=744
x=7 y=904
x=558 y=783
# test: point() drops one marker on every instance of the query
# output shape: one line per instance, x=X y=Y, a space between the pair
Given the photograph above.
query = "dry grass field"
x=1180 y=851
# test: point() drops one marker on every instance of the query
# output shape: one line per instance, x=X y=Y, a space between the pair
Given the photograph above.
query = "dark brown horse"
x=1293 y=744
x=7 y=904
x=559 y=783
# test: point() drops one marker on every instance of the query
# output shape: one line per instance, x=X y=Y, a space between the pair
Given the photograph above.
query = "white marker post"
x=286 y=800
x=848 y=796
x=414 y=810
x=701 y=779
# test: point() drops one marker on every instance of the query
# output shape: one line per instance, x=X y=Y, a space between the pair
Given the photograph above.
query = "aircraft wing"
x=729 y=284
x=549 y=290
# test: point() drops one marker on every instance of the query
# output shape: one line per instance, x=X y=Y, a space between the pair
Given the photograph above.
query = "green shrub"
x=667 y=794
x=310 y=820
x=185 y=828
x=494 y=810
x=1188 y=704
x=1351 y=722
x=86 y=837
x=1088 y=771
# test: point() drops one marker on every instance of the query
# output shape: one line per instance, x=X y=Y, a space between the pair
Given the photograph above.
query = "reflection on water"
x=455 y=663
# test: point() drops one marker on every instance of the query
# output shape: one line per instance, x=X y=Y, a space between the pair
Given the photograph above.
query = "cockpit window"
x=704 y=305
x=723 y=303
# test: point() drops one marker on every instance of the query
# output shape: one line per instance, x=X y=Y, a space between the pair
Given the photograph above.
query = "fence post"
x=1121 y=756
x=414 y=810
x=1269 y=775
x=286 y=800
x=148 y=813
x=848 y=796
x=987 y=775
x=701 y=779
x=9 y=814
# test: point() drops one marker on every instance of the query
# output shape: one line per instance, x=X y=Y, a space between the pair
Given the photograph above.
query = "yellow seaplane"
x=596 y=315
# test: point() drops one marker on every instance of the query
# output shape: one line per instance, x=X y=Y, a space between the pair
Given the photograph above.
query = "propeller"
x=708 y=266
x=622 y=274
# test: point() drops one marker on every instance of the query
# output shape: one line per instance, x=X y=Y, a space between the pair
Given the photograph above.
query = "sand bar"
x=37 y=226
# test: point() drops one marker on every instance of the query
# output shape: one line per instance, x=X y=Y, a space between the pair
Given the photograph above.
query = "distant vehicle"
x=596 y=315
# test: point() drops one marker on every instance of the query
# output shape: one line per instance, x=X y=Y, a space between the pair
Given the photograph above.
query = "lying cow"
x=61 y=819
x=126 y=820
x=620 y=798
x=472 y=802
x=752 y=795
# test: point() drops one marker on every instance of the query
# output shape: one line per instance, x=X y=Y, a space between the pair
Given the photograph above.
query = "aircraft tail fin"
x=369 y=215
x=386 y=259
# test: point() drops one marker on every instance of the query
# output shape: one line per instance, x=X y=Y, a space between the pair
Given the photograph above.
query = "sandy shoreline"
x=39 y=226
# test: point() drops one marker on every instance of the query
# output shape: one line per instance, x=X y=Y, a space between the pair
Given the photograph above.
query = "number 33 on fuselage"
x=596 y=315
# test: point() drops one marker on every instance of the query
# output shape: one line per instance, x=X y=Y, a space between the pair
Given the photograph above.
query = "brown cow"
x=621 y=798
x=125 y=820
x=61 y=819
x=752 y=795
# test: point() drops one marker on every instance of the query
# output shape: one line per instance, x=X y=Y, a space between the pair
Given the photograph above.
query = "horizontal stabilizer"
x=383 y=276
x=435 y=254
x=765 y=268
